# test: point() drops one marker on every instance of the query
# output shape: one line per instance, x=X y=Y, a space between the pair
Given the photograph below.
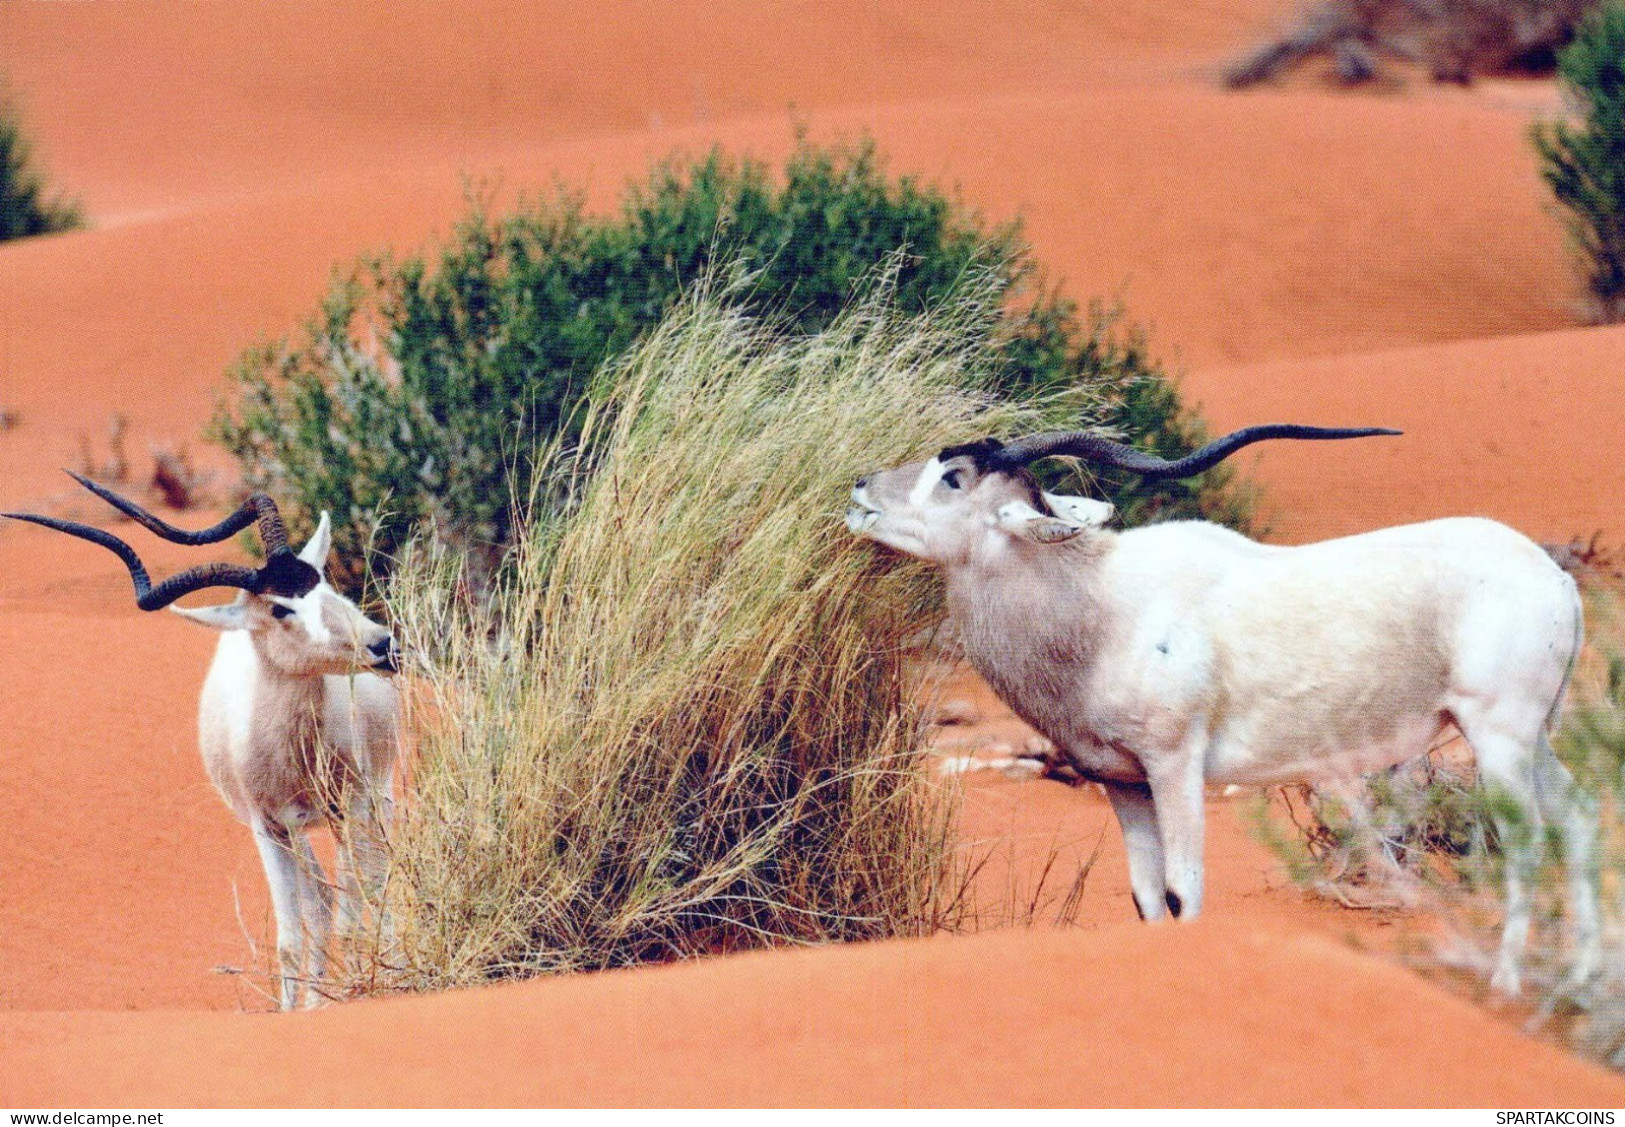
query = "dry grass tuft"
x=683 y=727
x=117 y=467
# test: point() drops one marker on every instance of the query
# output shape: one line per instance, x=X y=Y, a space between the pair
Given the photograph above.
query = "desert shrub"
x=1380 y=841
x=1422 y=836
x=682 y=725
x=26 y=208
x=1454 y=39
x=1584 y=162
x=422 y=392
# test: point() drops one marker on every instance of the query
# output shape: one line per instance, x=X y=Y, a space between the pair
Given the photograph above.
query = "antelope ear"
x=1080 y=510
x=315 y=550
x=1020 y=519
x=227 y=616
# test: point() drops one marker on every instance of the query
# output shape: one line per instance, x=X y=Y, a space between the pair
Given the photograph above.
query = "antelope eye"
x=951 y=479
x=278 y=611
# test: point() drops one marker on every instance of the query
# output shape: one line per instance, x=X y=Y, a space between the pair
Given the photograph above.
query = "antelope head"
x=299 y=622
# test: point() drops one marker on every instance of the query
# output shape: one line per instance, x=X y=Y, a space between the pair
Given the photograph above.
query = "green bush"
x=423 y=392
x=1584 y=163
x=24 y=207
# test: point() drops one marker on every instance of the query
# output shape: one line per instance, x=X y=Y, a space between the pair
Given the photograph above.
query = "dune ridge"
x=1030 y=1019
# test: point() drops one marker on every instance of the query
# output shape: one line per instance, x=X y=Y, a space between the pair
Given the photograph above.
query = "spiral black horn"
x=284 y=573
x=258 y=507
x=1102 y=451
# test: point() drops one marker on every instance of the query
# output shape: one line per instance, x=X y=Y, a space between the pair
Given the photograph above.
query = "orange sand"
x=1315 y=256
x=1024 y=1019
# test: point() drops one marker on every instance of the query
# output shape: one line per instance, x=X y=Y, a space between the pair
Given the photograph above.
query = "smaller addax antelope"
x=295 y=724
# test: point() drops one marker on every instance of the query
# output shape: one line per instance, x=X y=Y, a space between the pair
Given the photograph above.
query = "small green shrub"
x=25 y=208
x=683 y=726
x=422 y=392
x=1584 y=162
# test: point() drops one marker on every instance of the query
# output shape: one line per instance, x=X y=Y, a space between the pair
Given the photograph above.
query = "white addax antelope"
x=1180 y=653
x=295 y=724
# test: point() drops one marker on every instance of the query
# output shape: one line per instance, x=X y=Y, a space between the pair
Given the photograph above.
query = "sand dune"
x=118 y=858
x=1523 y=428
x=160 y=107
x=1176 y=1016
x=1324 y=257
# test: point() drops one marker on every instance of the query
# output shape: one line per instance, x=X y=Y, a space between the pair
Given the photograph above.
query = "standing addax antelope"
x=295 y=724
x=1172 y=655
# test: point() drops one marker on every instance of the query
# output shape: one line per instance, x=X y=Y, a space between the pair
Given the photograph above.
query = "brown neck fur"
x=294 y=760
x=1028 y=619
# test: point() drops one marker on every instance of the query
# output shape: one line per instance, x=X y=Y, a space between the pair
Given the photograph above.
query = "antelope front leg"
x=1142 y=840
x=282 y=874
x=1176 y=779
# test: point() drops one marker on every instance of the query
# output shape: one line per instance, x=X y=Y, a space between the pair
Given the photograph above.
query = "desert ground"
x=1300 y=253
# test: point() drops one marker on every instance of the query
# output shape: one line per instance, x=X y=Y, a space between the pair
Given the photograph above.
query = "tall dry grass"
x=682 y=726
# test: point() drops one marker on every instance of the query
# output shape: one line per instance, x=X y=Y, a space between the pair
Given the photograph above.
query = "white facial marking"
x=930 y=474
x=311 y=615
x=308 y=610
